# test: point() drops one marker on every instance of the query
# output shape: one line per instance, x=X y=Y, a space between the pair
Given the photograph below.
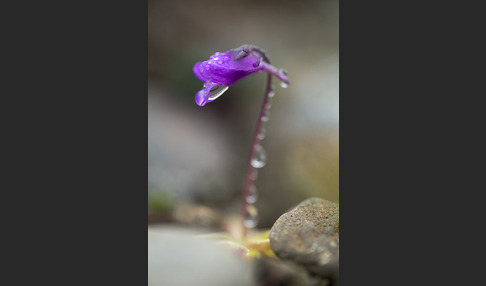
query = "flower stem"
x=254 y=144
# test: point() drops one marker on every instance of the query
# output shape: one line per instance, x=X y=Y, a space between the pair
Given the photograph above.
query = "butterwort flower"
x=224 y=69
x=220 y=72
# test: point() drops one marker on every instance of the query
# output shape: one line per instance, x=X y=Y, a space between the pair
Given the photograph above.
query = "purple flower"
x=224 y=69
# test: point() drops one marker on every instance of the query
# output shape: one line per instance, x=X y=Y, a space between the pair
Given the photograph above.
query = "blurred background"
x=198 y=155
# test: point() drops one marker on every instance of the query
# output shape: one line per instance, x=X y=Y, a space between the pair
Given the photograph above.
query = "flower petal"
x=202 y=97
x=197 y=71
x=221 y=68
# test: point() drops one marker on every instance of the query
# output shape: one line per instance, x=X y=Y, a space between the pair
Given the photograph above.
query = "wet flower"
x=224 y=69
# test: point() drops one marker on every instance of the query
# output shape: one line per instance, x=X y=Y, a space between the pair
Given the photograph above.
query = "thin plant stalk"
x=254 y=144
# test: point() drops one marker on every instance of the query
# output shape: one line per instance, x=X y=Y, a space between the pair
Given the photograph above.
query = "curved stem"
x=255 y=142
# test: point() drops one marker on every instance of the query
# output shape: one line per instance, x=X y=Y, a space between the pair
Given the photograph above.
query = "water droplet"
x=283 y=84
x=268 y=105
x=251 y=219
x=252 y=195
x=217 y=90
x=261 y=134
x=207 y=67
x=260 y=158
x=265 y=116
x=271 y=93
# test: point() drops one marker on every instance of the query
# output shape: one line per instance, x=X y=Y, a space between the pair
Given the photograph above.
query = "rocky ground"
x=305 y=242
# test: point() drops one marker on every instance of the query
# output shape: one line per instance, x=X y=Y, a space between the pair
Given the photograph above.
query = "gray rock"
x=309 y=235
x=285 y=272
x=179 y=257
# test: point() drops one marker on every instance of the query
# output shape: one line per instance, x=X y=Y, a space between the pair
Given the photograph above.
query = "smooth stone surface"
x=178 y=257
x=309 y=235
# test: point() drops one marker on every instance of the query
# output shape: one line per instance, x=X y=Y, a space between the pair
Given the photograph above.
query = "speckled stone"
x=309 y=235
x=271 y=271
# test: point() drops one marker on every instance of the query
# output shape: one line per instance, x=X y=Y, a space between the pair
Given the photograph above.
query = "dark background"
x=74 y=195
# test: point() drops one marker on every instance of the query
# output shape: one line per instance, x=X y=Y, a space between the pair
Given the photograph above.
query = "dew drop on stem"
x=251 y=219
x=265 y=115
x=261 y=134
x=252 y=195
x=268 y=105
x=282 y=83
x=259 y=158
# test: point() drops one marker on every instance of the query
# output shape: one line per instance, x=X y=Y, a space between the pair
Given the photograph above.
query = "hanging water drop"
x=282 y=83
x=261 y=134
x=268 y=105
x=265 y=115
x=259 y=158
x=271 y=93
x=252 y=195
x=217 y=90
x=251 y=219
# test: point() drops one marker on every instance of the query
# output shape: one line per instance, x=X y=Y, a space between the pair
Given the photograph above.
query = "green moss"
x=160 y=202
